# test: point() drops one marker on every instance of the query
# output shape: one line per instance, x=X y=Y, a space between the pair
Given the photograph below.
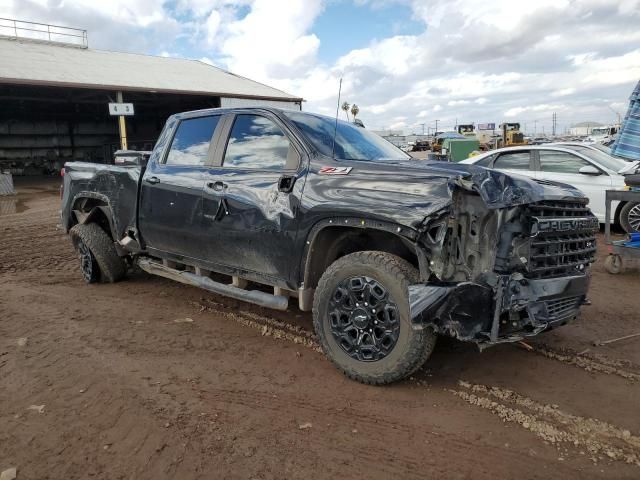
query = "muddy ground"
x=149 y=379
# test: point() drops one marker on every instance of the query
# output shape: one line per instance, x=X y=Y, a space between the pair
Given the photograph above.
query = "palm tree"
x=354 y=111
x=345 y=107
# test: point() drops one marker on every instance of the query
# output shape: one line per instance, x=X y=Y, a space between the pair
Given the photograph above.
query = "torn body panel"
x=513 y=309
x=502 y=270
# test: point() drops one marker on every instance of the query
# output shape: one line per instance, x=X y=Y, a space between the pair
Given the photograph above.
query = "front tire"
x=98 y=257
x=361 y=316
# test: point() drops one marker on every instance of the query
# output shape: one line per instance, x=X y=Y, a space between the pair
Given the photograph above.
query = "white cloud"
x=513 y=112
x=563 y=92
x=474 y=60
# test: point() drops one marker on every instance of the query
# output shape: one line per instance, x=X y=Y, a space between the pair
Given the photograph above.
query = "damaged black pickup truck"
x=387 y=251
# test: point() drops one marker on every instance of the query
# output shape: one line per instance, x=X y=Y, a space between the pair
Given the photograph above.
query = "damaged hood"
x=500 y=189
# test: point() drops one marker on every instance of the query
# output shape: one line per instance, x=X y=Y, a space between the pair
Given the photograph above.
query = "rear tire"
x=98 y=257
x=371 y=346
x=630 y=217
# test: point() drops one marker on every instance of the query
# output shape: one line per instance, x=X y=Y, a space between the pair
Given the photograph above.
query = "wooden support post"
x=123 y=124
x=239 y=282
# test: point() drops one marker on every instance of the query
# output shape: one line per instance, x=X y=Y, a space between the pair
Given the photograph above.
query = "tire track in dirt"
x=598 y=438
x=553 y=425
x=598 y=364
x=268 y=327
x=278 y=329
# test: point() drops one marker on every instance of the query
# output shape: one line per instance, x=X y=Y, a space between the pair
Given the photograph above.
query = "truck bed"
x=115 y=185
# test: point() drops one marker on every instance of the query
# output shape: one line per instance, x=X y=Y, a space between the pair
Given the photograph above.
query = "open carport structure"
x=55 y=92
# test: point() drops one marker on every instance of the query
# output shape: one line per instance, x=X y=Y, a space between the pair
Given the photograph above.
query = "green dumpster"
x=459 y=149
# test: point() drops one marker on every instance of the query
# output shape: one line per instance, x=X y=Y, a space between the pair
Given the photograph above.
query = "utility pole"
x=436 y=132
x=617 y=113
x=555 y=119
x=422 y=127
x=535 y=127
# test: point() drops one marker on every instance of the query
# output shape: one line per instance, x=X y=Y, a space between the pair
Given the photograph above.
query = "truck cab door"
x=170 y=215
x=252 y=197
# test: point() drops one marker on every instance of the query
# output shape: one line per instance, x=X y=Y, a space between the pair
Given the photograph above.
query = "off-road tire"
x=111 y=267
x=413 y=347
x=624 y=216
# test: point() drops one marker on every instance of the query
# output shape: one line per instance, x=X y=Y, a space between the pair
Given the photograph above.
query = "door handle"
x=286 y=183
x=152 y=180
x=217 y=186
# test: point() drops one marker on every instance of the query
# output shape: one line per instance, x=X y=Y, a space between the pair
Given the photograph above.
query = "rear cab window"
x=191 y=142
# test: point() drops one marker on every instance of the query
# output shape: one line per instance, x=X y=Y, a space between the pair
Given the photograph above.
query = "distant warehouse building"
x=55 y=92
x=583 y=129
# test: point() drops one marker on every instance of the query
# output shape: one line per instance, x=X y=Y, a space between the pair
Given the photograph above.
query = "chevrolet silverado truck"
x=268 y=205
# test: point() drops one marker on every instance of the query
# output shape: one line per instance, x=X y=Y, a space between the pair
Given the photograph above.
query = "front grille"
x=562 y=238
x=563 y=308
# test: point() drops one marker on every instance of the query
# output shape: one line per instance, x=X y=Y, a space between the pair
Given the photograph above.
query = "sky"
x=405 y=63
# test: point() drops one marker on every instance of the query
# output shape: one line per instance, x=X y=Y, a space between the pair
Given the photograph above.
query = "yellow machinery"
x=511 y=135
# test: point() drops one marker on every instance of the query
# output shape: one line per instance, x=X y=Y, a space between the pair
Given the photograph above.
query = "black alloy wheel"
x=88 y=265
x=364 y=319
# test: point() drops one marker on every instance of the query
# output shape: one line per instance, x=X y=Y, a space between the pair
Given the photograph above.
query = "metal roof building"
x=55 y=94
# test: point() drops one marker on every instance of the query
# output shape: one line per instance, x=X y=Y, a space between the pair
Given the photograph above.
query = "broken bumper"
x=512 y=308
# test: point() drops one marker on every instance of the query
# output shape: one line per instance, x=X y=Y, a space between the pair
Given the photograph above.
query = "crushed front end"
x=501 y=268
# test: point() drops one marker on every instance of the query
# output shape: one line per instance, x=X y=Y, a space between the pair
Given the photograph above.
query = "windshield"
x=352 y=142
x=607 y=161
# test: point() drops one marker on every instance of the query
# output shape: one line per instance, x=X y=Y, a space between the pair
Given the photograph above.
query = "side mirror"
x=131 y=158
x=589 y=170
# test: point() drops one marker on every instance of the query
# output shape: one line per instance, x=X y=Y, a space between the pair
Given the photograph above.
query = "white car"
x=590 y=170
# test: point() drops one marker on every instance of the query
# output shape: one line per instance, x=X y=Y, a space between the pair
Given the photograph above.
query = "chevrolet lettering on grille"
x=558 y=225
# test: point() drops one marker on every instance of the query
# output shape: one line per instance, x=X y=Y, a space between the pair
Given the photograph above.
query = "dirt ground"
x=149 y=379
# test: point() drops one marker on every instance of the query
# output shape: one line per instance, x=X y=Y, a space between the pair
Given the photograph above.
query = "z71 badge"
x=335 y=170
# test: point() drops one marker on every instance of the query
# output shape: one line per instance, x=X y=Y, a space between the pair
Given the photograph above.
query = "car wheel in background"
x=630 y=217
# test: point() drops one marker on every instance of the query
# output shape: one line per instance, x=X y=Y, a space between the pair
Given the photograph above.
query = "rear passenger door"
x=170 y=215
x=252 y=198
x=517 y=161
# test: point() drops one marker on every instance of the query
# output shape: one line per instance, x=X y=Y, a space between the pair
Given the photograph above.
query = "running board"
x=277 y=302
